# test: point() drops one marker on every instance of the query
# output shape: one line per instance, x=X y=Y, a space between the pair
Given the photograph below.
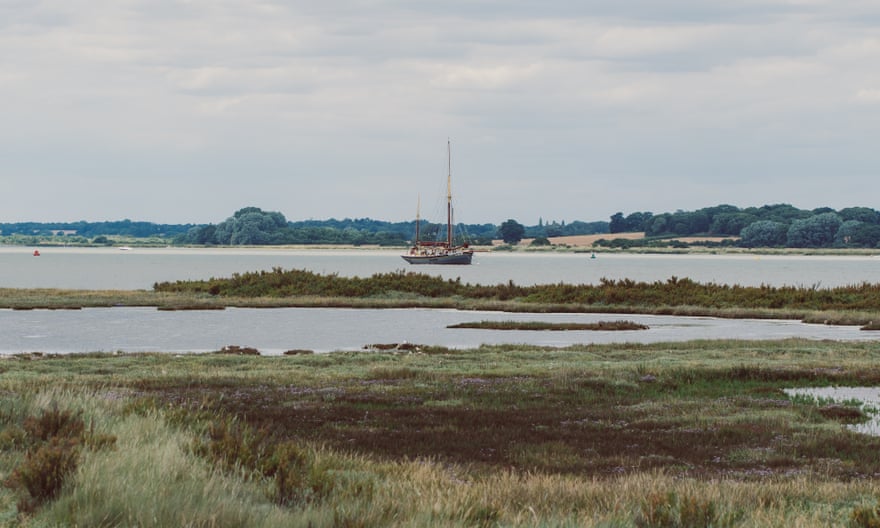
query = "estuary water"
x=277 y=330
x=867 y=397
x=272 y=331
x=111 y=268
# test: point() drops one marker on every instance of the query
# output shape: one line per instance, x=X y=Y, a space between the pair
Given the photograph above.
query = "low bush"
x=42 y=474
x=866 y=517
x=53 y=442
x=669 y=510
x=239 y=447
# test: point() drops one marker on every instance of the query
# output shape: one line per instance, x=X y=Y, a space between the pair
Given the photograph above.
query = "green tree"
x=764 y=233
x=636 y=221
x=816 y=231
x=251 y=225
x=730 y=223
x=617 y=224
x=862 y=214
x=657 y=225
x=511 y=231
x=854 y=233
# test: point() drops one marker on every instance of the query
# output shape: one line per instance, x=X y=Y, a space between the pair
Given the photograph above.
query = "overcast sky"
x=183 y=111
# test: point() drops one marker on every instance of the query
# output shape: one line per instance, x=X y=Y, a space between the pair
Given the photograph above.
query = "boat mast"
x=418 y=218
x=448 y=194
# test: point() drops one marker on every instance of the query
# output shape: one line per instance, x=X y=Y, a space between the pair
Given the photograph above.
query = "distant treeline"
x=252 y=225
x=92 y=229
x=779 y=225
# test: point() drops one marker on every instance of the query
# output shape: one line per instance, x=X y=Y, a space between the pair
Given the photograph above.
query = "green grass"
x=690 y=434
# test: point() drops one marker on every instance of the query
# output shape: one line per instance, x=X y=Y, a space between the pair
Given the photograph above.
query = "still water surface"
x=276 y=330
x=868 y=398
x=110 y=268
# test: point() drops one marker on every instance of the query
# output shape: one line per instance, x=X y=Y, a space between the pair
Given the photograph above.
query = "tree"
x=764 y=233
x=784 y=213
x=657 y=225
x=813 y=232
x=854 y=233
x=730 y=223
x=250 y=225
x=617 y=224
x=511 y=231
x=862 y=214
x=636 y=221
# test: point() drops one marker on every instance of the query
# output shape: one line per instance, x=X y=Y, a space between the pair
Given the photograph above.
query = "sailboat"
x=441 y=251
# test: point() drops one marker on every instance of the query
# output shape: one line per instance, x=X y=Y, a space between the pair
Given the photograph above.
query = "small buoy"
x=36 y=252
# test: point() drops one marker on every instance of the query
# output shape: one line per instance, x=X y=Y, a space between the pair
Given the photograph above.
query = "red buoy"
x=36 y=252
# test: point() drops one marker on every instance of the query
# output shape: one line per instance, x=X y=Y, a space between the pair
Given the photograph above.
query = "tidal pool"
x=869 y=398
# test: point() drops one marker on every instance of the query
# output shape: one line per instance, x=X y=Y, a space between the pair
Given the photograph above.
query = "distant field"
x=588 y=240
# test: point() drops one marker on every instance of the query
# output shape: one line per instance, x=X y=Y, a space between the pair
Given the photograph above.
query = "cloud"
x=275 y=99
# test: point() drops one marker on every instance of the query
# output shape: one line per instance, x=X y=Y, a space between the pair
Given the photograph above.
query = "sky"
x=184 y=111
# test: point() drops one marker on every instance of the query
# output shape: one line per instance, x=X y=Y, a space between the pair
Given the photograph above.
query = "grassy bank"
x=857 y=304
x=695 y=434
x=625 y=292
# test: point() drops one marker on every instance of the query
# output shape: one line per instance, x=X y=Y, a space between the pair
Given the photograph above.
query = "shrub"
x=289 y=466
x=233 y=444
x=42 y=474
x=53 y=442
x=668 y=510
x=12 y=437
x=866 y=517
x=541 y=241
x=55 y=423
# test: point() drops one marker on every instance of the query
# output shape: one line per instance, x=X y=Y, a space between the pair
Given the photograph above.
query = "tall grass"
x=156 y=473
x=152 y=479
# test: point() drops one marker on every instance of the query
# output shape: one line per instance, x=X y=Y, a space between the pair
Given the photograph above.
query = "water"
x=272 y=331
x=110 y=268
x=276 y=330
x=868 y=396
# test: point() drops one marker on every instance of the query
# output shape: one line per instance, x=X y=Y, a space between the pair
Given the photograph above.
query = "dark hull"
x=450 y=258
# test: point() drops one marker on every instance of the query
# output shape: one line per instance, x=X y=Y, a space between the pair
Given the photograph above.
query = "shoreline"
x=498 y=249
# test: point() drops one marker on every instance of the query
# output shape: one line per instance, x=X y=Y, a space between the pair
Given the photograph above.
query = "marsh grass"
x=850 y=305
x=508 y=436
x=625 y=292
